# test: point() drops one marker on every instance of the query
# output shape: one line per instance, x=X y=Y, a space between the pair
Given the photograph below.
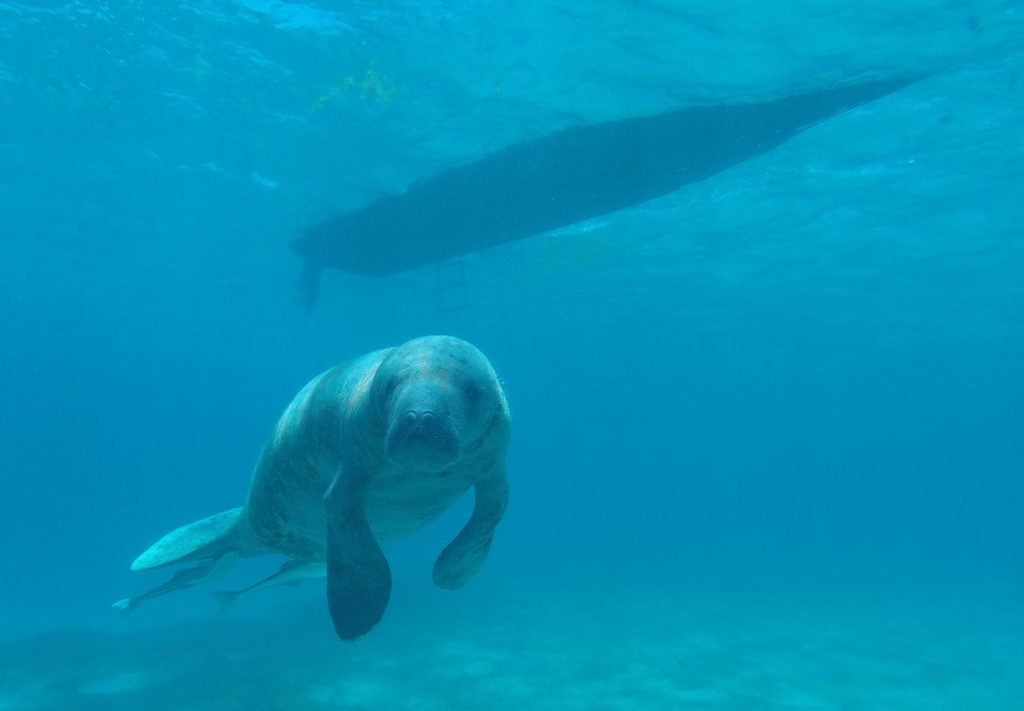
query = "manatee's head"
x=434 y=395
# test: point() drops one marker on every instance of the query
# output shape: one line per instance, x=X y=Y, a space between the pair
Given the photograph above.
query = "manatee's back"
x=284 y=509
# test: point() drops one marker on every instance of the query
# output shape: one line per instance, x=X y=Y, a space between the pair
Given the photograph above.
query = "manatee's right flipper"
x=358 y=576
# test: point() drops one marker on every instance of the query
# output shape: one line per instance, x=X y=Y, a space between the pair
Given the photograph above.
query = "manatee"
x=368 y=452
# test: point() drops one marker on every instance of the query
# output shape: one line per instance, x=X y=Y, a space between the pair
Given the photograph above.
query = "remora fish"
x=291 y=574
x=208 y=571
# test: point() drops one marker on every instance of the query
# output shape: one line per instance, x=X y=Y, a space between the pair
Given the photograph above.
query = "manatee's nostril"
x=422 y=437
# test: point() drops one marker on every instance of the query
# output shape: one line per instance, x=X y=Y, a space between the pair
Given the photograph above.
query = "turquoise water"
x=767 y=447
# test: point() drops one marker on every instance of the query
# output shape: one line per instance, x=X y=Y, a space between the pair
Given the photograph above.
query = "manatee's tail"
x=208 y=538
x=213 y=544
x=225 y=598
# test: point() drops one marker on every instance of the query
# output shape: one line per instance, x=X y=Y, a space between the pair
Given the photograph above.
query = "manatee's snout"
x=422 y=437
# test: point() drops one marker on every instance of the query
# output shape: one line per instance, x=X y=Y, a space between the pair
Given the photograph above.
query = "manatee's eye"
x=472 y=392
x=385 y=390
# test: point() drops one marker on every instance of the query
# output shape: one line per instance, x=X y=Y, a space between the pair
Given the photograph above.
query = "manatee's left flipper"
x=358 y=576
x=462 y=558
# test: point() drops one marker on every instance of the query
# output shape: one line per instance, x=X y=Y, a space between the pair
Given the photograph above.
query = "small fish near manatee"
x=367 y=453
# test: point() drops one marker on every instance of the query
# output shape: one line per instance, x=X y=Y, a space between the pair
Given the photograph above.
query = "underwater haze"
x=767 y=443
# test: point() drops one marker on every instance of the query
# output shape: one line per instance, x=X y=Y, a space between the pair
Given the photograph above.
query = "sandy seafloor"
x=639 y=649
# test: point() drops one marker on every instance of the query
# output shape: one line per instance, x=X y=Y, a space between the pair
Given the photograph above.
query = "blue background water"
x=799 y=379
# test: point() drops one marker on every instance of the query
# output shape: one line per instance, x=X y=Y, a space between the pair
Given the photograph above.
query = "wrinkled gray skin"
x=367 y=453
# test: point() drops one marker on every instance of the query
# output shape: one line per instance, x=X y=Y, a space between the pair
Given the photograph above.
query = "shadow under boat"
x=561 y=179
